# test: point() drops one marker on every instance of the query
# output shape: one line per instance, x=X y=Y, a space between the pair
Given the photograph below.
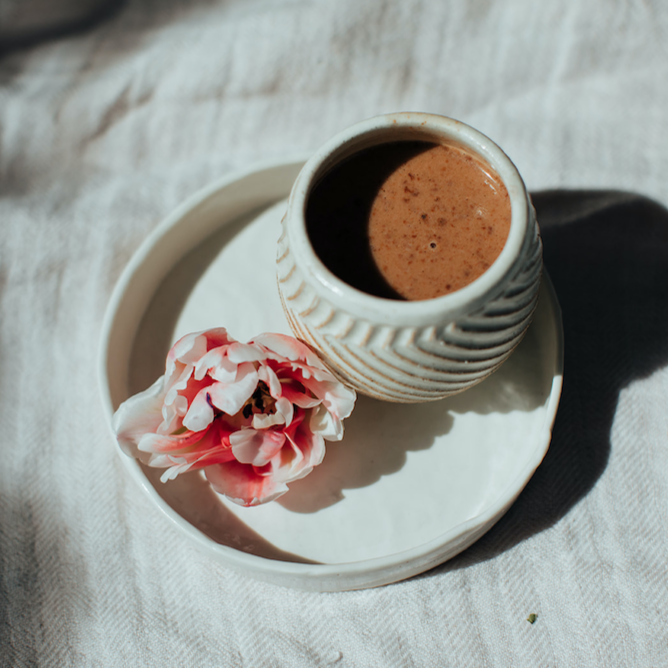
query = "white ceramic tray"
x=408 y=488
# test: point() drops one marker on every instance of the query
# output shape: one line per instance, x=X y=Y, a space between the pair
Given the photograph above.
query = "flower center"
x=260 y=401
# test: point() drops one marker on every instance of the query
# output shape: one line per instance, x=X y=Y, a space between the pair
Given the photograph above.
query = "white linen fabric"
x=105 y=130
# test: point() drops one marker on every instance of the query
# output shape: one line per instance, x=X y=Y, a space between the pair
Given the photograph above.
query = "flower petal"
x=256 y=447
x=297 y=397
x=218 y=365
x=311 y=451
x=212 y=359
x=285 y=346
x=212 y=447
x=189 y=461
x=189 y=348
x=157 y=443
x=326 y=424
x=336 y=397
x=269 y=377
x=138 y=415
x=218 y=336
x=174 y=372
x=245 y=352
x=177 y=382
x=179 y=466
x=243 y=485
x=200 y=414
x=181 y=403
x=266 y=420
x=230 y=397
x=285 y=408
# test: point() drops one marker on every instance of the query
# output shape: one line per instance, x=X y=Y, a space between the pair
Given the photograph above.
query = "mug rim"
x=389 y=128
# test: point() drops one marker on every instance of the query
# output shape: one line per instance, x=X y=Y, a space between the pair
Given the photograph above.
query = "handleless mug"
x=394 y=349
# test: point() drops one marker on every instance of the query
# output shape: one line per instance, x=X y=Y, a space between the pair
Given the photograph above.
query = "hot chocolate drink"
x=409 y=220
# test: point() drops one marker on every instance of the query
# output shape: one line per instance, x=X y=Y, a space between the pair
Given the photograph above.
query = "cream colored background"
x=102 y=133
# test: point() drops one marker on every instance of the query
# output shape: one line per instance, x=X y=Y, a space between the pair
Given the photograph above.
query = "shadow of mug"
x=607 y=255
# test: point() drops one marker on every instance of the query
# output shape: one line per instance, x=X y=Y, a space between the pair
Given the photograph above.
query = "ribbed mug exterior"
x=402 y=351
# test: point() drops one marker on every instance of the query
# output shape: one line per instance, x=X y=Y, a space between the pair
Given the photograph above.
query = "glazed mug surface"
x=410 y=351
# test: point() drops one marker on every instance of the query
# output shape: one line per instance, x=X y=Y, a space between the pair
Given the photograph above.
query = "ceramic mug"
x=410 y=351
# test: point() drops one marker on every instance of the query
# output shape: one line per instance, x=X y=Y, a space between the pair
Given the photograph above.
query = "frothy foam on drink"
x=409 y=220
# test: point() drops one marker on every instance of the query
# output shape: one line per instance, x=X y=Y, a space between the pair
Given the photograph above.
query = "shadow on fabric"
x=607 y=255
x=29 y=22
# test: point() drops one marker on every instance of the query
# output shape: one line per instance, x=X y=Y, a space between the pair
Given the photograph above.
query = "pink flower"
x=252 y=415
